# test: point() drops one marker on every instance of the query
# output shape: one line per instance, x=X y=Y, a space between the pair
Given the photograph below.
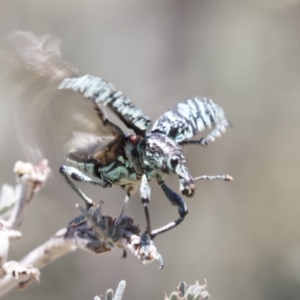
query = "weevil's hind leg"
x=70 y=172
x=145 y=195
x=175 y=199
x=217 y=132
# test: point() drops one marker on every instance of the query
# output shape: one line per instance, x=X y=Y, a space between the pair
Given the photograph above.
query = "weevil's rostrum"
x=131 y=160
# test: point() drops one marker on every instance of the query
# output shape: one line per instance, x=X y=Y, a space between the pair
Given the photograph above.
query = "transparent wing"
x=45 y=117
x=187 y=118
x=86 y=145
x=39 y=55
x=105 y=94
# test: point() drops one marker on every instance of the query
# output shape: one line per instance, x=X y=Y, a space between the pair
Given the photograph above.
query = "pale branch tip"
x=192 y=292
x=110 y=295
x=31 y=179
x=13 y=206
x=182 y=292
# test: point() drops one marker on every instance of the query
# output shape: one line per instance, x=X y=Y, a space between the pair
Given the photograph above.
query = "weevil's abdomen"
x=89 y=166
x=118 y=172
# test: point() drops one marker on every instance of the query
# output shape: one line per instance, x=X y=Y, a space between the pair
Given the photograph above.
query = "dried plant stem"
x=46 y=253
x=14 y=204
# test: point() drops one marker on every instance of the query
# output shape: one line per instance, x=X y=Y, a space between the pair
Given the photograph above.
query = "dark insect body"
x=131 y=160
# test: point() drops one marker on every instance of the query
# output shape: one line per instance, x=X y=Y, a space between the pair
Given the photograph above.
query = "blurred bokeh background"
x=242 y=236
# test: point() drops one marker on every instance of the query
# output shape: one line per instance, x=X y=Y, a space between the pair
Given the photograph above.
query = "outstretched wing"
x=104 y=93
x=187 y=118
x=46 y=118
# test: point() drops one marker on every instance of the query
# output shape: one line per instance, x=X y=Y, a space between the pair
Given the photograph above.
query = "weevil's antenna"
x=225 y=177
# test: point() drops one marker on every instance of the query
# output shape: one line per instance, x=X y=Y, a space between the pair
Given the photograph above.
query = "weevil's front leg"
x=175 y=199
x=217 y=132
x=70 y=172
x=145 y=195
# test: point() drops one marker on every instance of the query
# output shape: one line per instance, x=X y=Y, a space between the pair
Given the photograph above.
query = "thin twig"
x=14 y=203
x=31 y=179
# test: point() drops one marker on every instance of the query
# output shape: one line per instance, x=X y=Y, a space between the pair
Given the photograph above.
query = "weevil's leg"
x=148 y=251
x=175 y=199
x=70 y=172
x=202 y=142
x=126 y=200
x=116 y=130
x=217 y=132
x=145 y=195
x=225 y=177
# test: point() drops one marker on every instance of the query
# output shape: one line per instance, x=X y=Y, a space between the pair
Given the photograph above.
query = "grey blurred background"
x=242 y=236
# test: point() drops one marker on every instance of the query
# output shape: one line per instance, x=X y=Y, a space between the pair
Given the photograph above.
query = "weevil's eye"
x=174 y=162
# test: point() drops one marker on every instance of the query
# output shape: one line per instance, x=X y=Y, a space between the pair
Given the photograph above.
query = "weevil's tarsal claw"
x=228 y=178
x=161 y=261
x=148 y=252
x=203 y=142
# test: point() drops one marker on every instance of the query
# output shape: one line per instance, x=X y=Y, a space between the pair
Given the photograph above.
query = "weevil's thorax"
x=150 y=155
x=155 y=155
x=156 y=152
x=159 y=154
x=131 y=147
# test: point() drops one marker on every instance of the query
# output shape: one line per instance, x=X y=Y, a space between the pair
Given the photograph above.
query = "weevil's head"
x=161 y=154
